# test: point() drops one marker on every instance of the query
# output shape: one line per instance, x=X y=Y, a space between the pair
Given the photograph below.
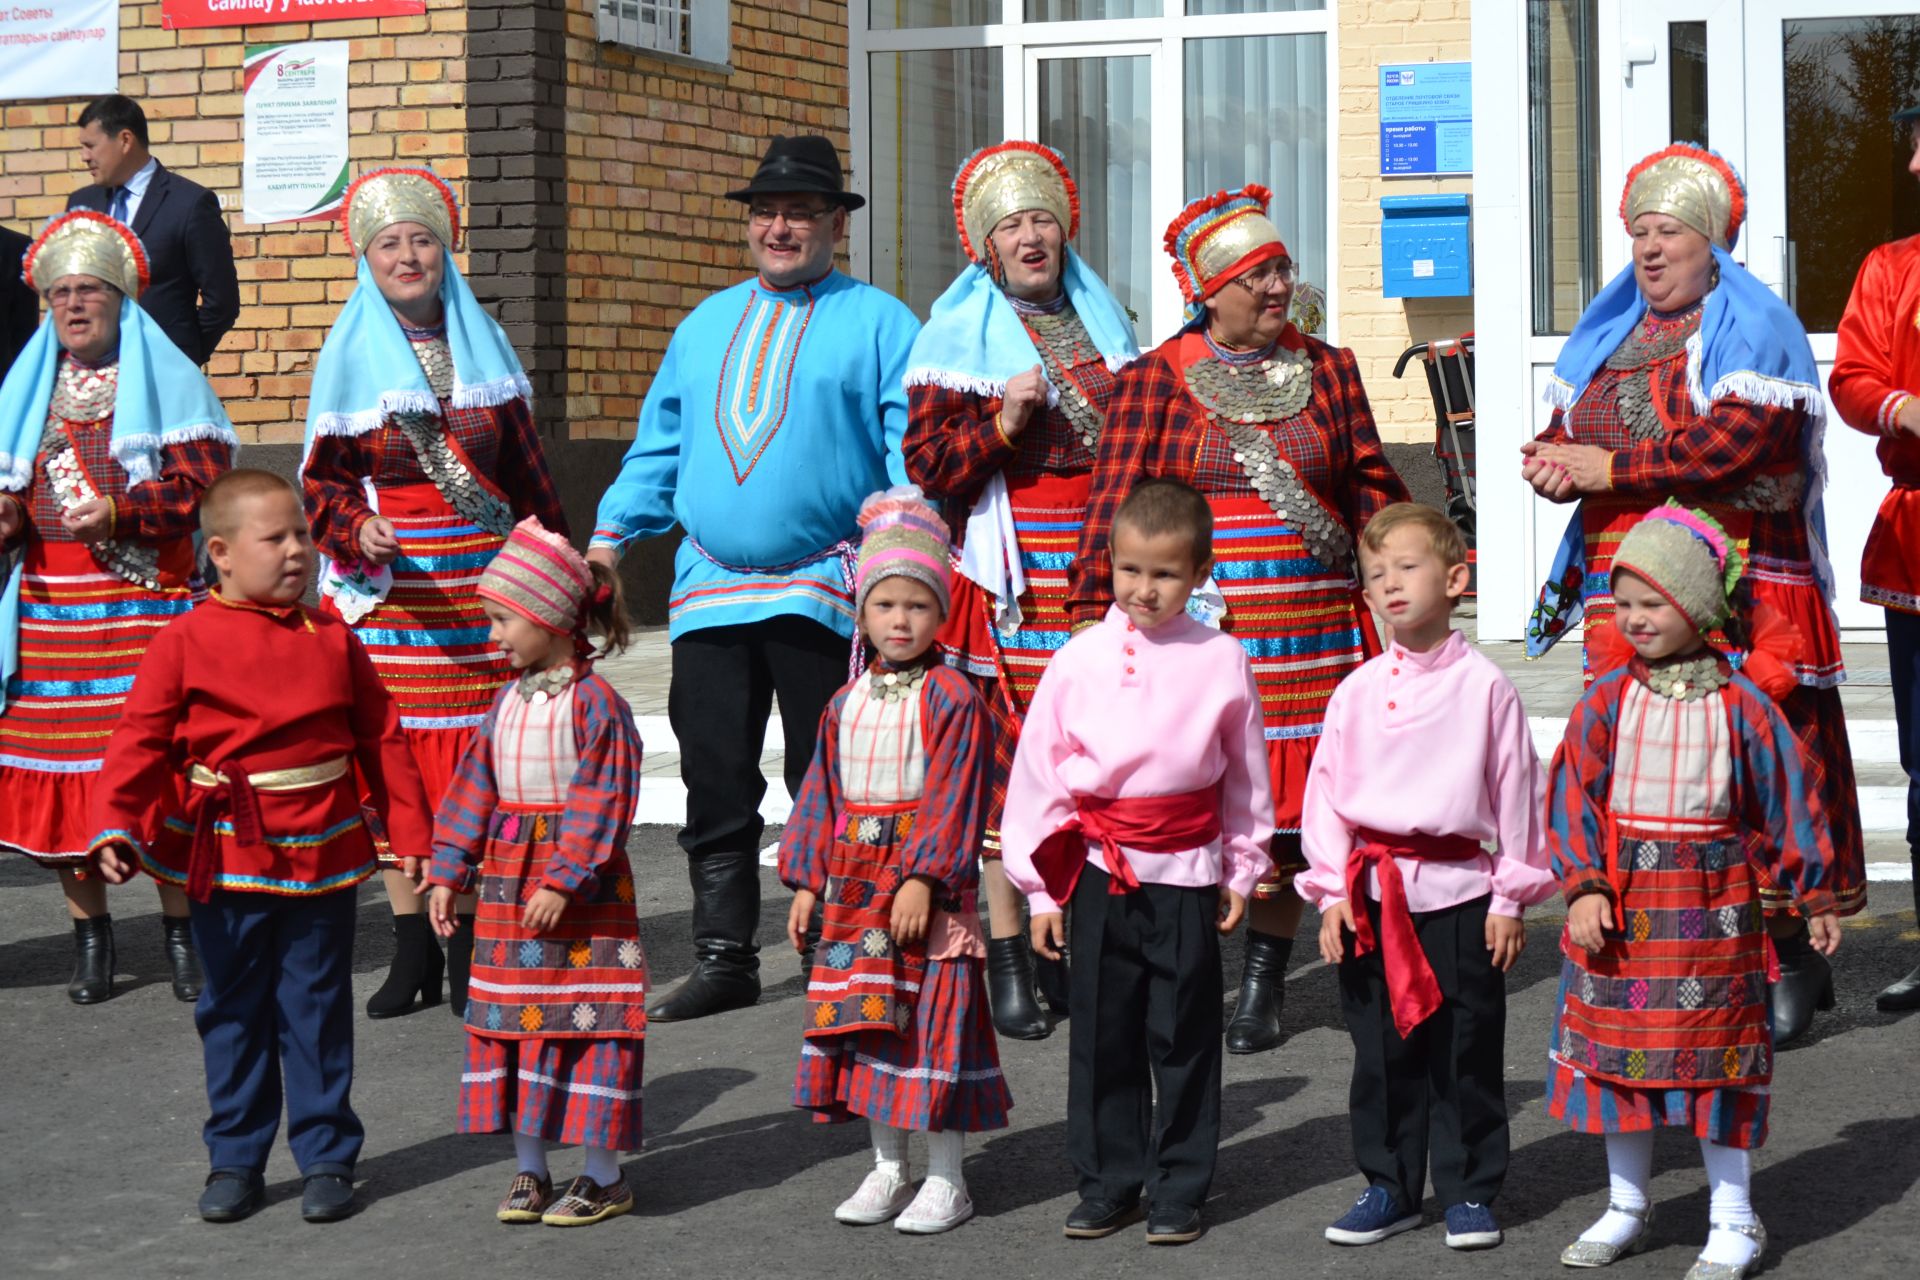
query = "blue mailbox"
x=1425 y=247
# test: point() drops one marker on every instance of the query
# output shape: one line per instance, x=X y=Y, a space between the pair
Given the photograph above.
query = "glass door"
x=1826 y=182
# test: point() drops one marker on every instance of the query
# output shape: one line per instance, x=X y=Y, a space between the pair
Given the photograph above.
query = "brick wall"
x=652 y=145
x=1374 y=33
x=406 y=100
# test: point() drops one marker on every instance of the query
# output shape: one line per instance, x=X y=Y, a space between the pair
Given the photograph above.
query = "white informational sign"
x=295 y=131
x=59 y=48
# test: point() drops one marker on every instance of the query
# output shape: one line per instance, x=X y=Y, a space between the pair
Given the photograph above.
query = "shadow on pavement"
x=690 y=1169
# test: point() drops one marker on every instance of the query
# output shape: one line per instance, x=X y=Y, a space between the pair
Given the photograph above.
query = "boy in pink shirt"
x=1140 y=794
x=1424 y=761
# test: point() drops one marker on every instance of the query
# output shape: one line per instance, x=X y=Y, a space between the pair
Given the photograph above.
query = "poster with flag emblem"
x=295 y=133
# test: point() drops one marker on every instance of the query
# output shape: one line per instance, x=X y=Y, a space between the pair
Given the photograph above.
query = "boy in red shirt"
x=232 y=774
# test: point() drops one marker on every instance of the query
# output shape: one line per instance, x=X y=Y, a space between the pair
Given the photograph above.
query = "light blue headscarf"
x=162 y=399
x=367 y=369
x=974 y=341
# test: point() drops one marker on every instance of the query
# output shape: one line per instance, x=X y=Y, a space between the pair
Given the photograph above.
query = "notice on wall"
x=175 y=14
x=1426 y=119
x=59 y=48
x=295 y=132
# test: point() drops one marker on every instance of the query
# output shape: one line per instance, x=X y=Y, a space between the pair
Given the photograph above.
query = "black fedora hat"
x=808 y=163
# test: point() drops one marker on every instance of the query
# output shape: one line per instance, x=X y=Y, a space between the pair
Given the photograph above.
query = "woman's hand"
x=1026 y=399
x=912 y=908
x=90 y=522
x=378 y=542
x=1572 y=468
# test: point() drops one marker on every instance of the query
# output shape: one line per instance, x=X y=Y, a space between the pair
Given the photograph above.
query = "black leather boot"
x=92 y=961
x=1806 y=984
x=1263 y=994
x=726 y=966
x=459 y=964
x=416 y=970
x=1902 y=997
x=177 y=939
x=1016 y=1014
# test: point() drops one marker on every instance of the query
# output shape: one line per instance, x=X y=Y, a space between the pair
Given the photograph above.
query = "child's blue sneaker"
x=1471 y=1226
x=1374 y=1216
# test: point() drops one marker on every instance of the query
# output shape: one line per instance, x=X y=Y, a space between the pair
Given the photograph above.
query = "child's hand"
x=1588 y=919
x=1233 y=907
x=543 y=910
x=440 y=910
x=1048 y=933
x=1823 y=931
x=1506 y=938
x=415 y=869
x=912 y=907
x=799 y=916
x=1333 y=918
x=116 y=862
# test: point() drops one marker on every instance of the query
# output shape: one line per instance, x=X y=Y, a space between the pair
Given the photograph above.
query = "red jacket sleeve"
x=1371 y=483
x=601 y=798
x=953 y=445
x=806 y=842
x=386 y=762
x=1137 y=417
x=138 y=785
x=1864 y=385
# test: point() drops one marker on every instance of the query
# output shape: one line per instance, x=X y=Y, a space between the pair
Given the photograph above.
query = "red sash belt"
x=1152 y=824
x=233 y=795
x=1412 y=989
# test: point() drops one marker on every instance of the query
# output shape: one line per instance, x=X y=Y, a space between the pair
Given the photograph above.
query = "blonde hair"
x=220 y=504
x=1443 y=536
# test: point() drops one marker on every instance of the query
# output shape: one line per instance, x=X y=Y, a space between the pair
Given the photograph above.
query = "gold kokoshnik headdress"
x=383 y=197
x=1006 y=179
x=85 y=243
x=1219 y=237
x=1691 y=184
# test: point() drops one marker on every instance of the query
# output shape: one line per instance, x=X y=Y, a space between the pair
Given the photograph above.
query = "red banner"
x=175 y=14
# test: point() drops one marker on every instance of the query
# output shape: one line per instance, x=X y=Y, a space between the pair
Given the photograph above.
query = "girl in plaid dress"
x=883 y=836
x=536 y=819
x=1678 y=787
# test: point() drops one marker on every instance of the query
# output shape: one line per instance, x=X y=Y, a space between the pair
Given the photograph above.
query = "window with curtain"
x=1563 y=138
x=1256 y=111
x=1096 y=113
x=930 y=109
x=894 y=15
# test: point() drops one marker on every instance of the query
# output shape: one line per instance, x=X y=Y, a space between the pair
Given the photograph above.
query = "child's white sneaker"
x=881 y=1196
x=940 y=1206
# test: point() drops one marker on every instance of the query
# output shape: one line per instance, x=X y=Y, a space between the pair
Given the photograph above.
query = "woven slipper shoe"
x=527 y=1198
x=587 y=1202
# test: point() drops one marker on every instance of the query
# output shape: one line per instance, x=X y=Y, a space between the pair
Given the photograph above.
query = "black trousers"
x=724 y=683
x=1903 y=654
x=1439 y=1096
x=1145 y=998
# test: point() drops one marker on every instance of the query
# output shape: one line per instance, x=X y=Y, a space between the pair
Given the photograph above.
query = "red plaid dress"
x=84 y=631
x=954 y=446
x=1659 y=803
x=1720 y=460
x=1302 y=623
x=897 y=789
x=542 y=799
x=429 y=637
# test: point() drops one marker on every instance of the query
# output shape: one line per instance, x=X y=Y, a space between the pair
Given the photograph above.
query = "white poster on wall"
x=295 y=137
x=59 y=48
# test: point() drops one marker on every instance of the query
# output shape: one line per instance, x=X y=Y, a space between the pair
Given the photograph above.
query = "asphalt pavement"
x=101 y=1161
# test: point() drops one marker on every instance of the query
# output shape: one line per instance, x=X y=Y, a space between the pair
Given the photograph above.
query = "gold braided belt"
x=300 y=778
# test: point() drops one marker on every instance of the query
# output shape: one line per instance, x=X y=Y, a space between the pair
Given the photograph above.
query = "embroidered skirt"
x=586 y=978
x=82 y=634
x=892 y=1034
x=579 y=1092
x=428 y=639
x=1667 y=1023
x=1814 y=710
x=1304 y=628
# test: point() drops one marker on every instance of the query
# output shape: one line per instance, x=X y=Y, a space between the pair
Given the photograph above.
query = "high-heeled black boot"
x=1263 y=994
x=416 y=970
x=177 y=941
x=92 y=961
x=1806 y=985
x=459 y=964
x=1016 y=1014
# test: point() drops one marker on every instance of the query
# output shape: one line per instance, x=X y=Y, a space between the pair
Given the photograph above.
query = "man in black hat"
x=777 y=409
x=1876 y=387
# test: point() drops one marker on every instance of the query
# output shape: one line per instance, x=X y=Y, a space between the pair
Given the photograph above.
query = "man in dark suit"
x=19 y=306
x=194 y=294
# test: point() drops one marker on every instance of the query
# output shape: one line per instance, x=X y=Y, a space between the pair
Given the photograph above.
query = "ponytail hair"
x=605 y=611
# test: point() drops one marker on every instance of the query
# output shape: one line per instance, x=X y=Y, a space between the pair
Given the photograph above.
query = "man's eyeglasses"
x=85 y=294
x=802 y=216
x=1268 y=277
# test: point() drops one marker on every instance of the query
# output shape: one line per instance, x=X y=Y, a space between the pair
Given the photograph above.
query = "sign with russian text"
x=59 y=48
x=1426 y=119
x=295 y=131
x=175 y=14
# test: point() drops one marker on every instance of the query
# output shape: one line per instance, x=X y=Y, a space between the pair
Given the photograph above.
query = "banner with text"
x=175 y=14
x=59 y=48
x=295 y=131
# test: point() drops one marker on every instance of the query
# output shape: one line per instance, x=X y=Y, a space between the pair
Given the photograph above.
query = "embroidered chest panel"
x=882 y=760
x=756 y=377
x=1672 y=756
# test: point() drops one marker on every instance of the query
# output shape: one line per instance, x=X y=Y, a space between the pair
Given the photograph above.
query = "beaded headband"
x=902 y=537
x=85 y=243
x=377 y=200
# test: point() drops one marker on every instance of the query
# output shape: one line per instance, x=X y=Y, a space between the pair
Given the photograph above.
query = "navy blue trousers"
x=1903 y=656
x=278 y=1006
